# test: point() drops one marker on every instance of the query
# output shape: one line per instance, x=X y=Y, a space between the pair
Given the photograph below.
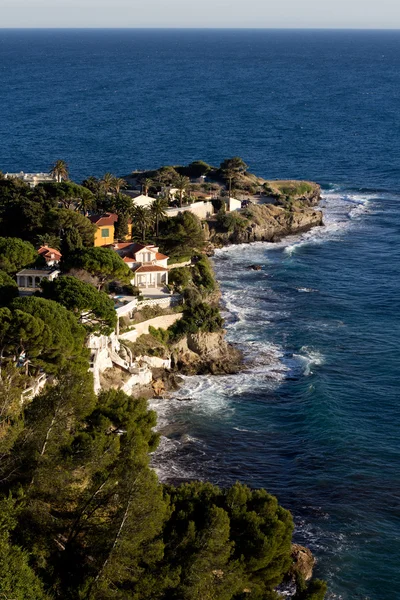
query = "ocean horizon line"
x=189 y=28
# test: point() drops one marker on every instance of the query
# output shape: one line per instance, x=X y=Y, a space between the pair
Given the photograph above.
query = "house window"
x=105 y=233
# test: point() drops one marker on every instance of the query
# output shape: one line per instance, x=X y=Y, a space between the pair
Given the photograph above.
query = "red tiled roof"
x=128 y=259
x=47 y=252
x=160 y=256
x=106 y=219
x=150 y=269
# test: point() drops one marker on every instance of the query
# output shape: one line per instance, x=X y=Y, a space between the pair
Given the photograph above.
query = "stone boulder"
x=304 y=561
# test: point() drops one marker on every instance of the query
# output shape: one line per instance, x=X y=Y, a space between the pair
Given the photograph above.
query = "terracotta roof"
x=47 y=251
x=160 y=256
x=150 y=269
x=105 y=219
x=128 y=259
x=119 y=245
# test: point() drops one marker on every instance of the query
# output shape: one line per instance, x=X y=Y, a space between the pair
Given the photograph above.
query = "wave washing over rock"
x=255 y=426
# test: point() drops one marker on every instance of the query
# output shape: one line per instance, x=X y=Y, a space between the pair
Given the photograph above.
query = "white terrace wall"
x=143 y=328
x=166 y=302
x=203 y=210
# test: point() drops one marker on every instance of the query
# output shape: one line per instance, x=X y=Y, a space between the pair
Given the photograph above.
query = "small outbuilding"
x=233 y=204
x=30 y=280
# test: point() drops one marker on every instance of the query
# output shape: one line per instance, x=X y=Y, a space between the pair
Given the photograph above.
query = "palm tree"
x=229 y=175
x=117 y=185
x=182 y=183
x=142 y=218
x=107 y=182
x=147 y=183
x=86 y=201
x=158 y=211
x=59 y=170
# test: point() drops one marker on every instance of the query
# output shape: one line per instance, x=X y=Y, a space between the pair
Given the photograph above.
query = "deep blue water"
x=315 y=417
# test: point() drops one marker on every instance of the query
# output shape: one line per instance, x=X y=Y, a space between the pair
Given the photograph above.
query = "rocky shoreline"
x=210 y=353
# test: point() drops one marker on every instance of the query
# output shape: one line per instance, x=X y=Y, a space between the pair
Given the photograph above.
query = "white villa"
x=32 y=179
x=147 y=263
x=29 y=280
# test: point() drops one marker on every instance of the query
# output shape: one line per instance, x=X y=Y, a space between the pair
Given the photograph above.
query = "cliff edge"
x=262 y=223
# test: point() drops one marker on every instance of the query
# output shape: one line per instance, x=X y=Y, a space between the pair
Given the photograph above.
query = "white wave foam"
x=310 y=358
x=267 y=364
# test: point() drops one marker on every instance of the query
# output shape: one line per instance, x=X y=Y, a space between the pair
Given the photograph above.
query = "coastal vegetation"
x=82 y=514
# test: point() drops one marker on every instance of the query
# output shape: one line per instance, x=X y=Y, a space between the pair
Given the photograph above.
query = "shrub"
x=231 y=221
x=201 y=317
x=180 y=278
x=203 y=275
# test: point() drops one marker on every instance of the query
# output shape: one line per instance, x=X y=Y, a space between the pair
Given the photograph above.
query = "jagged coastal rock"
x=202 y=352
x=265 y=223
x=304 y=561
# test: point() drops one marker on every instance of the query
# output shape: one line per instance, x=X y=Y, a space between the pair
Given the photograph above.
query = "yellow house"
x=129 y=236
x=105 y=231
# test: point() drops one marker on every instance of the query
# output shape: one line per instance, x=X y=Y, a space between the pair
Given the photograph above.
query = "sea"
x=314 y=416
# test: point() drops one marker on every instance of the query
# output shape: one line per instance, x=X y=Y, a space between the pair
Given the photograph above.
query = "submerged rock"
x=255 y=267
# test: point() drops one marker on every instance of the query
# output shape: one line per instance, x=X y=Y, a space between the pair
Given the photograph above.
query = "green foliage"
x=162 y=335
x=158 y=211
x=182 y=234
x=59 y=170
x=17 y=580
x=121 y=227
x=95 y=308
x=11 y=418
x=122 y=206
x=102 y=263
x=142 y=220
x=203 y=275
x=15 y=254
x=61 y=220
x=234 y=164
x=68 y=193
x=289 y=190
x=179 y=259
x=201 y=317
x=227 y=541
x=198 y=168
x=71 y=241
x=180 y=278
x=8 y=289
x=96 y=524
x=47 y=332
x=316 y=590
x=232 y=221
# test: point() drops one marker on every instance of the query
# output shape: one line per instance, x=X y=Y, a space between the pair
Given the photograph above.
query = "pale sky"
x=201 y=13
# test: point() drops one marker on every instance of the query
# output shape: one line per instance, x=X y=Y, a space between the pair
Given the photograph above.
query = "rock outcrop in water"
x=264 y=223
x=202 y=352
x=304 y=561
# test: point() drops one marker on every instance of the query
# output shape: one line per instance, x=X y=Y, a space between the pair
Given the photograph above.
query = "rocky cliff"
x=263 y=223
x=201 y=353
